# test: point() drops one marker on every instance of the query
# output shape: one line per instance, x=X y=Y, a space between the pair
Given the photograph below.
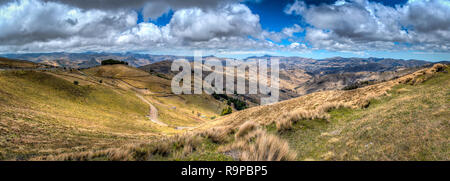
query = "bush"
x=226 y=111
x=76 y=82
x=358 y=85
x=112 y=62
x=238 y=104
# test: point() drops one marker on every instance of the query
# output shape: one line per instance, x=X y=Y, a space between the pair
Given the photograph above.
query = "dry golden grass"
x=252 y=142
x=286 y=121
x=245 y=128
x=421 y=75
x=284 y=124
x=12 y=63
x=268 y=148
x=257 y=145
x=217 y=135
x=174 y=110
x=311 y=103
x=161 y=148
x=409 y=123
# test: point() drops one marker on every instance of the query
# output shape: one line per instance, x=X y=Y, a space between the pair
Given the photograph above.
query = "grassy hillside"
x=402 y=119
x=411 y=122
x=12 y=63
x=175 y=110
x=42 y=113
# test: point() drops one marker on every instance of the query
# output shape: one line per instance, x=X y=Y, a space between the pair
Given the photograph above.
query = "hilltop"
x=14 y=63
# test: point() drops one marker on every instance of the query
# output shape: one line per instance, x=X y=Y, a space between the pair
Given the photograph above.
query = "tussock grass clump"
x=302 y=114
x=422 y=75
x=284 y=125
x=320 y=113
x=287 y=120
x=166 y=147
x=245 y=128
x=328 y=106
x=112 y=154
x=254 y=144
x=268 y=147
x=217 y=135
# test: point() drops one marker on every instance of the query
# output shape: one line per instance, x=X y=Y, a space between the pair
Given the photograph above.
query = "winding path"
x=153 y=116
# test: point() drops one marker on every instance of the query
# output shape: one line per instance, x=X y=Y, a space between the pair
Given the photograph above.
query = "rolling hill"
x=301 y=76
x=402 y=119
x=53 y=111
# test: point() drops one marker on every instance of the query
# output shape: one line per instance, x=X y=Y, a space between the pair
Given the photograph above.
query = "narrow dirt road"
x=153 y=116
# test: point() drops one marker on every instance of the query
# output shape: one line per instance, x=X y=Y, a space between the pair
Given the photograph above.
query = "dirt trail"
x=153 y=116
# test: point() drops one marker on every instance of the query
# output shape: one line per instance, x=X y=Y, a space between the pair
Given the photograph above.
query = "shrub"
x=358 y=85
x=226 y=111
x=238 y=104
x=113 y=62
x=76 y=82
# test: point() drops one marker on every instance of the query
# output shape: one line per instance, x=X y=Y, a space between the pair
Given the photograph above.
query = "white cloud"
x=31 y=21
x=220 y=26
x=35 y=26
x=199 y=25
x=152 y=8
x=360 y=24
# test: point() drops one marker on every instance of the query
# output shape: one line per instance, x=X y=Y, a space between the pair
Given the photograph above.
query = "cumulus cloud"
x=30 y=21
x=37 y=26
x=287 y=32
x=199 y=25
x=360 y=24
x=220 y=25
x=151 y=8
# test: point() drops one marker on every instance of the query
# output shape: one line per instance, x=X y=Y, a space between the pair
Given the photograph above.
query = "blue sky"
x=406 y=29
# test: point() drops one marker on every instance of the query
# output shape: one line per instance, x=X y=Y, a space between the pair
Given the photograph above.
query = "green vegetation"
x=113 y=62
x=238 y=104
x=226 y=111
x=358 y=85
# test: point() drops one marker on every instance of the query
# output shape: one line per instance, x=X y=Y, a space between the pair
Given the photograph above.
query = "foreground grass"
x=410 y=123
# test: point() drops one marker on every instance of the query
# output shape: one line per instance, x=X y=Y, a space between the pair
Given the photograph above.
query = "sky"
x=403 y=29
